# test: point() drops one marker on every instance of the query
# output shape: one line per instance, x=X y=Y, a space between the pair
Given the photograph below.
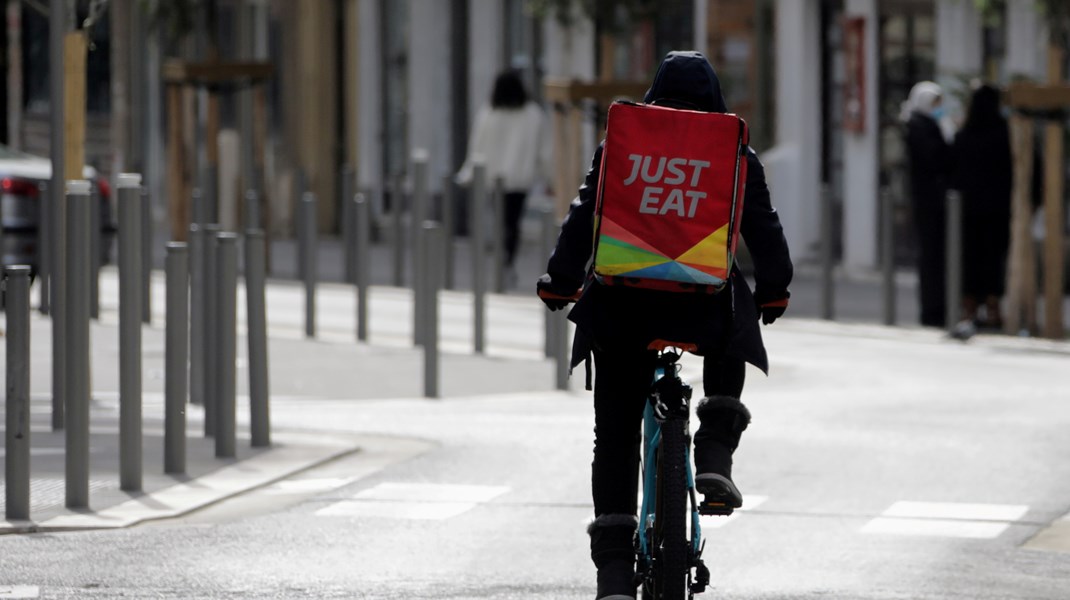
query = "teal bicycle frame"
x=651 y=443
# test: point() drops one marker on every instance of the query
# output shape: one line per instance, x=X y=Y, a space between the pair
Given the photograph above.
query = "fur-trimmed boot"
x=613 y=553
x=722 y=420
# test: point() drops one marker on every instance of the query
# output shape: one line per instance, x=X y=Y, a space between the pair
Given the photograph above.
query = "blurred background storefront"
x=366 y=82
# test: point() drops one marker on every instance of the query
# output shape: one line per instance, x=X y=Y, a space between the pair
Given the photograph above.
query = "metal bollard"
x=17 y=438
x=146 y=256
x=252 y=209
x=418 y=214
x=362 y=261
x=256 y=326
x=77 y=349
x=479 y=264
x=94 y=254
x=549 y=241
x=449 y=220
x=196 y=313
x=954 y=259
x=226 y=324
x=828 y=293
x=397 y=205
x=44 y=245
x=433 y=238
x=345 y=184
x=58 y=306
x=309 y=260
x=176 y=351
x=210 y=208
x=888 y=255
x=210 y=360
x=498 y=231
x=130 y=273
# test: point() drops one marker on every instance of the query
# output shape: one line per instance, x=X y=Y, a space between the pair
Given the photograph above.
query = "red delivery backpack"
x=670 y=198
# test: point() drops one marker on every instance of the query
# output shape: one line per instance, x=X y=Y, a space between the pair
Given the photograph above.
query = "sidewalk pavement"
x=333 y=366
x=330 y=367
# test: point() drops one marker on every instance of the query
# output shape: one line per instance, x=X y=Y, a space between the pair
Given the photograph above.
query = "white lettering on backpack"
x=652 y=196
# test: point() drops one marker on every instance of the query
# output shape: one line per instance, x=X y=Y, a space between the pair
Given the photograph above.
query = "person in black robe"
x=929 y=158
x=983 y=174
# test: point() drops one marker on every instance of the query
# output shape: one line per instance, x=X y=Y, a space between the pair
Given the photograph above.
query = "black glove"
x=771 y=305
x=555 y=295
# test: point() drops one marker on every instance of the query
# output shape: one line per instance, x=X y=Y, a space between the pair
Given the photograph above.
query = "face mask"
x=938 y=113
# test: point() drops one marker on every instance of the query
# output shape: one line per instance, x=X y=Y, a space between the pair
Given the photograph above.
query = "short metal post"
x=94 y=254
x=226 y=313
x=449 y=226
x=433 y=238
x=256 y=325
x=252 y=209
x=479 y=286
x=828 y=293
x=954 y=258
x=146 y=256
x=561 y=352
x=210 y=359
x=176 y=351
x=498 y=231
x=58 y=305
x=210 y=212
x=196 y=313
x=17 y=430
x=888 y=256
x=549 y=240
x=77 y=344
x=397 y=206
x=418 y=215
x=130 y=272
x=362 y=261
x=309 y=259
x=44 y=245
x=345 y=184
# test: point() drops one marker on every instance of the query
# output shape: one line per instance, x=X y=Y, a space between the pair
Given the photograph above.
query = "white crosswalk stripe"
x=19 y=591
x=946 y=519
x=419 y=501
x=750 y=502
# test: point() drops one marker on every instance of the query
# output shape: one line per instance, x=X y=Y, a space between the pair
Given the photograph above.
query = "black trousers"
x=514 y=209
x=622 y=380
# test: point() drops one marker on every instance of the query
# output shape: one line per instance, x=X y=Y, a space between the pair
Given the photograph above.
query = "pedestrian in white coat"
x=510 y=136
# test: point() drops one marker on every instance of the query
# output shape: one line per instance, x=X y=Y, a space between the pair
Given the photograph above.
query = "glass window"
x=35 y=66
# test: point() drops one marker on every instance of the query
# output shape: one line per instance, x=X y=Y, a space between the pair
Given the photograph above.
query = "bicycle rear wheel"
x=669 y=538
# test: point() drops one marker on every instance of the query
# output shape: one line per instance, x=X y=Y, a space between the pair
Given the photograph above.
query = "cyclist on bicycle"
x=617 y=324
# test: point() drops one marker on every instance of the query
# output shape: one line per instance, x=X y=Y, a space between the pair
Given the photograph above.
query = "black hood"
x=686 y=79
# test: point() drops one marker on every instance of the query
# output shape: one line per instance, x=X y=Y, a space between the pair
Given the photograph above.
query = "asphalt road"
x=881 y=464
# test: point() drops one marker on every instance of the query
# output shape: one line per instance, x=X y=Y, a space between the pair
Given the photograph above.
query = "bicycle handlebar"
x=548 y=295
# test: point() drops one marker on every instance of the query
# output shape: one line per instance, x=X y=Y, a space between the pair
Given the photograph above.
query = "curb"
x=291 y=453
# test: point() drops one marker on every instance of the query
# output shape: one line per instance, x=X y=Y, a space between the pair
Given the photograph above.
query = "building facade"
x=368 y=82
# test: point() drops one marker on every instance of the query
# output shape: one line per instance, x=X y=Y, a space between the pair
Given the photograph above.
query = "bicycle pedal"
x=714 y=508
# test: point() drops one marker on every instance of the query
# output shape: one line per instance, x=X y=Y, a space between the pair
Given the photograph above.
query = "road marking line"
x=935 y=528
x=19 y=591
x=381 y=509
x=431 y=492
x=957 y=511
x=422 y=501
x=750 y=502
x=946 y=519
x=305 y=486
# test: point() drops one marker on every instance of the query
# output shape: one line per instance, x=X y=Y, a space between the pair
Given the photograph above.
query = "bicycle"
x=669 y=566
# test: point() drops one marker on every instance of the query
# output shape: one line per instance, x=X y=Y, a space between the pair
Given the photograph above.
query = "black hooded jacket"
x=623 y=317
